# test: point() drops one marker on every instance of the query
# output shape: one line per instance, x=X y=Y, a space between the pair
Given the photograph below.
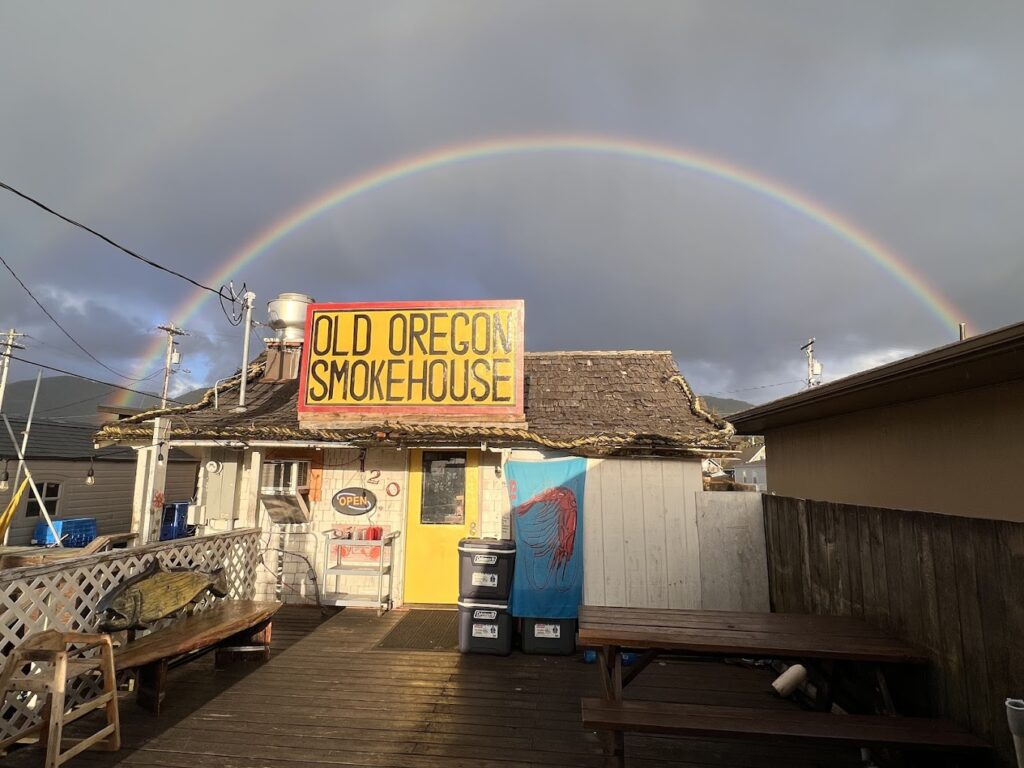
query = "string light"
x=90 y=476
x=160 y=455
x=5 y=481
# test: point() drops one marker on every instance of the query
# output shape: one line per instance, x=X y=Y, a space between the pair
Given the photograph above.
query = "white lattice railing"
x=64 y=595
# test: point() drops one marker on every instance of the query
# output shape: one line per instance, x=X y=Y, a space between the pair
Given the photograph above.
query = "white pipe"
x=790 y=680
x=247 y=302
x=32 y=483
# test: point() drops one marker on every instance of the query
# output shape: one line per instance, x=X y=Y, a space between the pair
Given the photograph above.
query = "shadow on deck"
x=327 y=697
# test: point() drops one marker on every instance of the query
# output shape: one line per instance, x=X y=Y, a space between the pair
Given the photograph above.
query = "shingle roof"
x=58 y=440
x=593 y=403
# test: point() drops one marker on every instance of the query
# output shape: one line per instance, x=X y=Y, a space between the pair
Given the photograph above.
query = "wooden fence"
x=64 y=595
x=952 y=585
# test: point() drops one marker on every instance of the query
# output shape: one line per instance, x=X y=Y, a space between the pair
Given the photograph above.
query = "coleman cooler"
x=485 y=627
x=485 y=569
x=555 y=637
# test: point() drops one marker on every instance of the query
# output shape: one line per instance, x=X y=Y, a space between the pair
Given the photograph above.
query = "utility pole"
x=813 y=366
x=171 y=358
x=9 y=346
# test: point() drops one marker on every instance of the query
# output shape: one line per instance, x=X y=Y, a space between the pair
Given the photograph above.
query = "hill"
x=66 y=397
x=725 y=406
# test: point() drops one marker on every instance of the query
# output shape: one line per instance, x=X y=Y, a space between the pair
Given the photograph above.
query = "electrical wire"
x=762 y=386
x=237 y=299
x=117 y=245
x=76 y=402
x=86 y=378
x=68 y=351
x=62 y=328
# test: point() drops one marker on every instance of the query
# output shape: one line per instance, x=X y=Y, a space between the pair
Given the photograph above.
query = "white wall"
x=733 y=556
x=652 y=540
x=651 y=536
x=640 y=533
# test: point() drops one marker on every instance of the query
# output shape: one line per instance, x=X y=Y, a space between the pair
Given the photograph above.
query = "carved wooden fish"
x=154 y=594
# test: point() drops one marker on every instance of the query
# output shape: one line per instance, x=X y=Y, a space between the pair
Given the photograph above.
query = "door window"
x=443 y=500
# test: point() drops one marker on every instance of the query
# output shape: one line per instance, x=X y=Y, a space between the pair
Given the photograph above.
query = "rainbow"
x=461 y=154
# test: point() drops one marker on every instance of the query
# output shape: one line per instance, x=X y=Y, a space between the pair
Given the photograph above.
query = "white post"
x=150 y=480
x=31 y=482
x=28 y=426
x=24 y=443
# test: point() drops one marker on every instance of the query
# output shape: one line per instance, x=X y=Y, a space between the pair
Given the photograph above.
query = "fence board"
x=953 y=585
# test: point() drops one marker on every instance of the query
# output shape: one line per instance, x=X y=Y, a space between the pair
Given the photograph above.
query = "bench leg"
x=250 y=645
x=610 y=662
x=151 y=684
x=614 y=749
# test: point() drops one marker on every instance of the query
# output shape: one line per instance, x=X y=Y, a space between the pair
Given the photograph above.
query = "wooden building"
x=941 y=431
x=631 y=414
x=60 y=456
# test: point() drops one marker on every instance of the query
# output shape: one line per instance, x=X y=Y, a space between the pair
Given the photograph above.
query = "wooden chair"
x=58 y=655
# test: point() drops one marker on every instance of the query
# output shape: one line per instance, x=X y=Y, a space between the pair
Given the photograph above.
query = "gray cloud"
x=185 y=129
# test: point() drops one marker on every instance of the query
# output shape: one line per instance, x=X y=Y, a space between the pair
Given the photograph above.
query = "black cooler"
x=485 y=569
x=554 y=637
x=485 y=627
x=485 y=581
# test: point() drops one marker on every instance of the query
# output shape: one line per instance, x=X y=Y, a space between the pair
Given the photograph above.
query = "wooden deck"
x=328 y=698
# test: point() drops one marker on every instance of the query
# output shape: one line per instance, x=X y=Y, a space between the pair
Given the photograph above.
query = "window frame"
x=430 y=456
x=31 y=501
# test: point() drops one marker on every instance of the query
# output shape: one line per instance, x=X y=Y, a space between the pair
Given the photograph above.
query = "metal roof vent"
x=286 y=315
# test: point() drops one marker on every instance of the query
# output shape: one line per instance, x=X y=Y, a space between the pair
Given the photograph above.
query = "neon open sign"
x=354 y=501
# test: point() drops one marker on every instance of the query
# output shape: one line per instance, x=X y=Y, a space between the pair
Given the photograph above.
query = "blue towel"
x=547 y=521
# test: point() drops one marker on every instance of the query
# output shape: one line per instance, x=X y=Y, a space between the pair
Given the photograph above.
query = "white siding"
x=654 y=539
x=640 y=533
x=733 y=557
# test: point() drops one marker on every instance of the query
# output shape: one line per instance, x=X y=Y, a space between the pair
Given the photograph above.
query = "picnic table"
x=823 y=639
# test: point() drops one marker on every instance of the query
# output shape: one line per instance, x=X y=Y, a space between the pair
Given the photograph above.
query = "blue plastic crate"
x=174 y=521
x=74 y=532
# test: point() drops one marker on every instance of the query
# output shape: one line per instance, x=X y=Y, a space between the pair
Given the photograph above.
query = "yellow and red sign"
x=401 y=358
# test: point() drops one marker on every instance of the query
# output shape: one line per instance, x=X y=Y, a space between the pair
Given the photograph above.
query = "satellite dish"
x=214 y=467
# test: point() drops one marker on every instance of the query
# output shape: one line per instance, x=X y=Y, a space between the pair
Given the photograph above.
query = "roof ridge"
x=599 y=352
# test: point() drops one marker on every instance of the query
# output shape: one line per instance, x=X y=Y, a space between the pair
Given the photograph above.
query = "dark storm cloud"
x=185 y=129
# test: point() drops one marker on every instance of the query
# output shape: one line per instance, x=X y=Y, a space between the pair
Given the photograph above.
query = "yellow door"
x=443 y=508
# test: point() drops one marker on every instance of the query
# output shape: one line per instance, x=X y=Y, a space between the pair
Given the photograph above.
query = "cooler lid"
x=483 y=604
x=500 y=546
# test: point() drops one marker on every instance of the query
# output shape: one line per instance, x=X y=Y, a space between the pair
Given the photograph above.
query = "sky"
x=185 y=129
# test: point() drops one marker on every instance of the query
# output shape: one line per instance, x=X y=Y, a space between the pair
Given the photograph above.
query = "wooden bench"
x=232 y=627
x=776 y=725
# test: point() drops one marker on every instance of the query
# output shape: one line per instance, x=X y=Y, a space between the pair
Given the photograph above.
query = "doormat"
x=424 y=630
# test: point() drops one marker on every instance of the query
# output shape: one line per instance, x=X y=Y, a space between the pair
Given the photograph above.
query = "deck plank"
x=328 y=698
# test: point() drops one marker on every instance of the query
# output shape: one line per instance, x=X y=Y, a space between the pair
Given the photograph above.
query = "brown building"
x=942 y=431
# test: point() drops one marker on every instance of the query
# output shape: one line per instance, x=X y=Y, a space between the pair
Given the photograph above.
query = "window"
x=285 y=477
x=51 y=496
x=444 y=488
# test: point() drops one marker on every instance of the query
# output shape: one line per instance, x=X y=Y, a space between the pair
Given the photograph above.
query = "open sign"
x=354 y=501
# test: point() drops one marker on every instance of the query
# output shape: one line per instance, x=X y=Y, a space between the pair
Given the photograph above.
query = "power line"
x=76 y=402
x=89 y=378
x=762 y=386
x=72 y=352
x=62 y=328
x=104 y=238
